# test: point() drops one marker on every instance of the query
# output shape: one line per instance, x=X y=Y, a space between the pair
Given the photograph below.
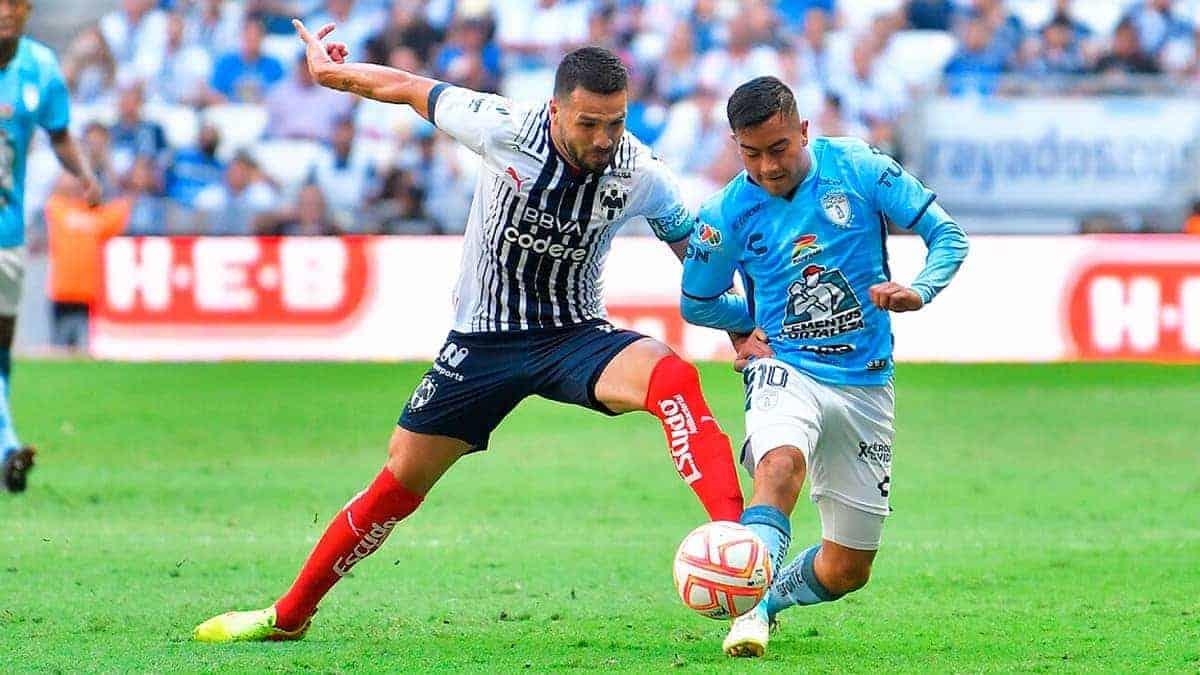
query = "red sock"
x=701 y=451
x=356 y=532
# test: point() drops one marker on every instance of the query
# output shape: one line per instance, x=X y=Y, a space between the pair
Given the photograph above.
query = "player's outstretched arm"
x=75 y=162
x=327 y=63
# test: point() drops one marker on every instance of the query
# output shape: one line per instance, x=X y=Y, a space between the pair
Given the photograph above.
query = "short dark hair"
x=757 y=101
x=594 y=68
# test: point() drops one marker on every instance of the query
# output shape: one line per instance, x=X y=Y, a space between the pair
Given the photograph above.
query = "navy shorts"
x=478 y=378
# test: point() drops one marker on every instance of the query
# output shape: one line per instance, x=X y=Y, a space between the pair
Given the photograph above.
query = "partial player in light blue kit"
x=33 y=94
x=805 y=227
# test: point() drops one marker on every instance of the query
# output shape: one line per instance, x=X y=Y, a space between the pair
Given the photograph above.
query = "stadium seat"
x=240 y=125
x=289 y=162
x=180 y=123
x=918 y=56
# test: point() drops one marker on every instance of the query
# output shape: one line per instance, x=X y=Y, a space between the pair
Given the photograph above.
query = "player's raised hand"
x=320 y=56
x=751 y=346
x=896 y=298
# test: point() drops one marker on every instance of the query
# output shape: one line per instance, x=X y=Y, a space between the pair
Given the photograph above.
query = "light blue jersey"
x=808 y=262
x=33 y=94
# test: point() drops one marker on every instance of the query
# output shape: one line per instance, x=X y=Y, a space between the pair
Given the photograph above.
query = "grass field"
x=1046 y=518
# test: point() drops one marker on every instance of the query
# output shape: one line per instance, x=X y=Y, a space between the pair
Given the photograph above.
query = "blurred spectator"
x=446 y=182
x=812 y=48
x=300 y=108
x=1058 y=52
x=136 y=33
x=184 y=72
x=194 y=169
x=977 y=66
x=244 y=76
x=1006 y=33
x=468 y=59
x=76 y=234
x=98 y=148
x=232 y=206
x=133 y=135
x=537 y=32
x=387 y=128
x=796 y=13
x=148 y=207
x=696 y=132
x=930 y=14
x=871 y=91
x=678 y=72
x=832 y=121
x=356 y=21
x=705 y=25
x=345 y=177
x=398 y=206
x=1063 y=11
x=1126 y=56
x=405 y=27
x=722 y=70
x=1192 y=224
x=307 y=217
x=216 y=25
x=1156 y=24
x=89 y=67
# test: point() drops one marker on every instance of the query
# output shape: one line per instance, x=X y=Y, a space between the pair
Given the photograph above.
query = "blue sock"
x=773 y=527
x=8 y=434
x=797 y=584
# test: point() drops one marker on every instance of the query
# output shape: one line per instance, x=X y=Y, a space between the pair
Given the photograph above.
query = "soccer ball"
x=722 y=570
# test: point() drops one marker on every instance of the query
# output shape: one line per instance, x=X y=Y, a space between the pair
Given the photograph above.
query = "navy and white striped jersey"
x=538 y=232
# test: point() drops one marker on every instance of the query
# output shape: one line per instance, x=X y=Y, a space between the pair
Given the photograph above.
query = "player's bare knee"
x=781 y=468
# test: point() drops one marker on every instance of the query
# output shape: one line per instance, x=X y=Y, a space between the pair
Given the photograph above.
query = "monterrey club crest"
x=423 y=394
x=612 y=200
x=837 y=208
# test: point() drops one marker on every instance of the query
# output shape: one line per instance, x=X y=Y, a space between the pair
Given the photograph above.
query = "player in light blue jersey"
x=33 y=94
x=805 y=226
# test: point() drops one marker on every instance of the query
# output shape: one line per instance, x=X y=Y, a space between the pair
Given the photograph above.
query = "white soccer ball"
x=722 y=570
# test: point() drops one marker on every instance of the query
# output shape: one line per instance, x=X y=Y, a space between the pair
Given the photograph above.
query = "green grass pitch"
x=1046 y=518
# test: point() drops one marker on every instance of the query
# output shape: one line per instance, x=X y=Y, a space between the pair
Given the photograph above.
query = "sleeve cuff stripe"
x=434 y=95
x=701 y=298
x=921 y=213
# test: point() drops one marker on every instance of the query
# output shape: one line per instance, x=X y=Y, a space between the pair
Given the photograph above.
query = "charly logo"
x=613 y=199
x=424 y=393
x=837 y=208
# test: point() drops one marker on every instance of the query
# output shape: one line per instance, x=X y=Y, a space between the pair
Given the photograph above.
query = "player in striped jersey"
x=557 y=181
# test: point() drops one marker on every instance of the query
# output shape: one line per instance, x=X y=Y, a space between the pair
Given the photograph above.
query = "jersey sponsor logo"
x=31 y=97
x=877 y=364
x=821 y=304
x=612 y=200
x=538 y=218
x=709 y=236
x=453 y=355
x=544 y=245
x=512 y=173
x=371 y=541
x=755 y=245
x=424 y=393
x=805 y=248
x=878 y=452
x=681 y=425
x=669 y=226
x=836 y=205
x=828 y=350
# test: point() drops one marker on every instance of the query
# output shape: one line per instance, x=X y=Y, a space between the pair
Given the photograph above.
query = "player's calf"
x=701 y=451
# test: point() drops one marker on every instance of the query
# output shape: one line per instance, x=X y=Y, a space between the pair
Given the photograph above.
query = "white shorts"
x=846 y=435
x=12 y=274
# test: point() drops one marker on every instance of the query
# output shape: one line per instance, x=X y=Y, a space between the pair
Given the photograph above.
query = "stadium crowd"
x=201 y=118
